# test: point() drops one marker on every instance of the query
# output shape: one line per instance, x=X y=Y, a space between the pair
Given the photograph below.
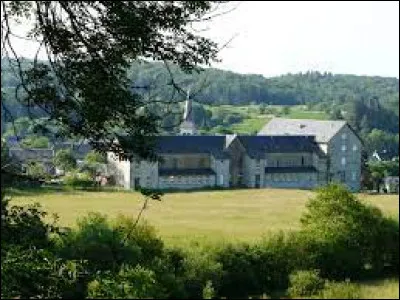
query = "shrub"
x=340 y=290
x=75 y=179
x=35 y=273
x=128 y=283
x=107 y=246
x=202 y=273
x=254 y=270
x=208 y=291
x=343 y=233
x=239 y=277
x=65 y=160
x=305 y=283
x=25 y=226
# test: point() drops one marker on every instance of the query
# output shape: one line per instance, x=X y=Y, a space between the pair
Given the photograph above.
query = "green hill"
x=231 y=102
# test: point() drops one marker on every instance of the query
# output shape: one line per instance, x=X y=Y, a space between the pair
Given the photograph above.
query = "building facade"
x=285 y=154
x=185 y=162
x=336 y=139
x=277 y=161
x=192 y=161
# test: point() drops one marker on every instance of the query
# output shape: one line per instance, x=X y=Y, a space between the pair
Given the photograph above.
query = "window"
x=175 y=163
x=343 y=176
x=355 y=148
x=344 y=136
x=354 y=176
x=344 y=147
x=302 y=160
x=343 y=161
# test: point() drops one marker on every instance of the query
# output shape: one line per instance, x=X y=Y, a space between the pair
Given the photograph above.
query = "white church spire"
x=187 y=126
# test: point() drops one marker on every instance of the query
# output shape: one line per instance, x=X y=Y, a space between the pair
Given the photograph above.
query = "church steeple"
x=187 y=126
x=188 y=115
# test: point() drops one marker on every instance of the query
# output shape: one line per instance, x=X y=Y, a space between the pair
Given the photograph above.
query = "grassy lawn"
x=206 y=216
x=253 y=121
x=250 y=125
x=380 y=289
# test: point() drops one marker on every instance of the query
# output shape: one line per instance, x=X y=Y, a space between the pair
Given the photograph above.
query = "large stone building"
x=335 y=138
x=195 y=161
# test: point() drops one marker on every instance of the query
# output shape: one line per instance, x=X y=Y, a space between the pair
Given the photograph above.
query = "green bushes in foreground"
x=340 y=238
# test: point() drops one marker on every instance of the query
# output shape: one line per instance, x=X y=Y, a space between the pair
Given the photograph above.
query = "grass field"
x=253 y=121
x=207 y=216
x=380 y=289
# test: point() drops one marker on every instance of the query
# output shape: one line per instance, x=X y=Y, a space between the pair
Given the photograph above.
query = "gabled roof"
x=321 y=129
x=39 y=154
x=258 y=146
x=186 y=144
x=214 y=145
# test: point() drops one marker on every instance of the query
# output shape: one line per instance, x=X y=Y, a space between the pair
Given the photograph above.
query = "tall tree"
x=89 y=46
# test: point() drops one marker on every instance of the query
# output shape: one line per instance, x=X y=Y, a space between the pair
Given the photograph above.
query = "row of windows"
x=184 y=179
x=284 y=163
x=289 y=177
x=342 y=176
x=344 y=148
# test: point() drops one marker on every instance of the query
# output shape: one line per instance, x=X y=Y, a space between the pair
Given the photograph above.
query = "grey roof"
x=169 y=172
x=290 y=170
x=258 y=145
x=23 y=154
x=322 y=130
x=181 y=144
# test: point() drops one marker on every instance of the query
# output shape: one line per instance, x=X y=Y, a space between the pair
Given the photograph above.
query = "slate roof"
x=321 y=129
x=183 y=172
x=291 y=170
x=185 y=144
x=39 y=154
x=257 y=146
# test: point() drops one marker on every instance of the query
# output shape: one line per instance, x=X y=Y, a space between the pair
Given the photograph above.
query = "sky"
x=272 y=38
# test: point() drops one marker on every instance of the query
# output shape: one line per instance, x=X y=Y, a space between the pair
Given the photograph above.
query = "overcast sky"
x=274 y=38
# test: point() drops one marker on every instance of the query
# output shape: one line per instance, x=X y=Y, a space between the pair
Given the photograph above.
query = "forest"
x=369 y=104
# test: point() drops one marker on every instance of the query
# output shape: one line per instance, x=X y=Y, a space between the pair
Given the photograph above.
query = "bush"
x=25 y=226
x=36 y=273
x=340 y=290
x=202 y=274
x=128 y=283
x=305 y=283
x=75 y=179
x=65 y=160
x=254 y=270
x=107 y=246
x=343 y=233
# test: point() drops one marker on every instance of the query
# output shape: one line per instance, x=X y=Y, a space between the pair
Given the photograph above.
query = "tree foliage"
x=65 y=160
x=84 y=85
